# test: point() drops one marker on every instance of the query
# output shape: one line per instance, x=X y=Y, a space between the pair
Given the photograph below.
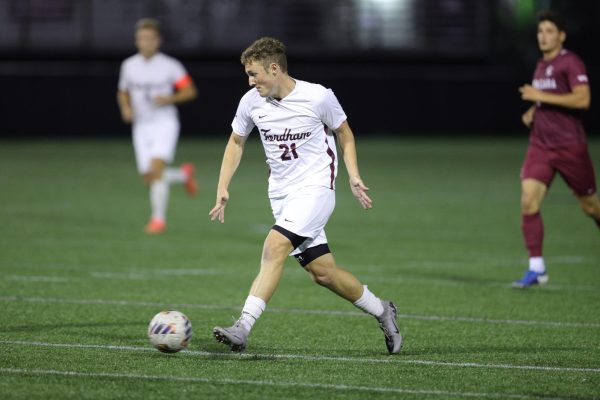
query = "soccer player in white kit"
x=150 y=84
x=295 y=120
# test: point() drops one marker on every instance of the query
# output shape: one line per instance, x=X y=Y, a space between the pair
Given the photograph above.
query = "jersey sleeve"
x=330 y=111
x=123 y=78
x=576 y=72
x=181 y=78
x=242 y=122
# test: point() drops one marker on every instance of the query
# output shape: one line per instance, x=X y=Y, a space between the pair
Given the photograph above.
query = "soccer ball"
x=170 y=331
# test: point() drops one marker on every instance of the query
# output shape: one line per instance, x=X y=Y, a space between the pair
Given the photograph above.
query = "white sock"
x=369 y=303
x=159 y=198
x=252 y=310
x=174 y=175
x=536 y=264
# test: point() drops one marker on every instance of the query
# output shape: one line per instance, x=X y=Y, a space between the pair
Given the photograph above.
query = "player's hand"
x=218 y=210
x=527 y=118
x=162 y=100
x=359 y=190
x=530 y=93
x=127 y=114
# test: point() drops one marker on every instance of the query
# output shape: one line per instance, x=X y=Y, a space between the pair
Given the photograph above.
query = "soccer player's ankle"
x=369 y=303
x=157 y=218
x=246 y=322
x=536 y=264
x=253 y=308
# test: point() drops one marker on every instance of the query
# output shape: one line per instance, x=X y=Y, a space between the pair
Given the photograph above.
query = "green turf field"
x=80 y=280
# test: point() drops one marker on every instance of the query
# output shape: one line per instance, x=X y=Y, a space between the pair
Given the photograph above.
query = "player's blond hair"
x=148 y=23
x=266 y=51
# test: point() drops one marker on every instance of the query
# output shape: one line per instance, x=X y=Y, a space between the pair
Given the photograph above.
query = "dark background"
x=401 y=67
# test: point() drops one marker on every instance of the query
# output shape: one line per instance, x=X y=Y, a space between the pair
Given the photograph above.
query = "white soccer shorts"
x=155 y=139
x=305 y=212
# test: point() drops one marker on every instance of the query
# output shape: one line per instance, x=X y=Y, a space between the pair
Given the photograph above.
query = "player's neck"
x=285 y=88
x=549 y=55
x=148 y=56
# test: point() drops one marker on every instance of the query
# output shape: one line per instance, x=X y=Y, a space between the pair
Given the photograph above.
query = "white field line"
x=271 y=383
x=37 y=278
x=141 y=275
x=558 y=324
x=398 y=280
x=396 y=360
x=131 y=275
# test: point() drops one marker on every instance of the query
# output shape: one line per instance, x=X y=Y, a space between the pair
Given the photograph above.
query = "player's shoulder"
x=567 y=56
x=310 y=88
x=252 y=97
x=313 y=92
x=163 y=58
x=132 y=60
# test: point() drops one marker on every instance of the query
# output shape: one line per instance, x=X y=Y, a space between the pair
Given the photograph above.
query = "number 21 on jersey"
x=287 y=150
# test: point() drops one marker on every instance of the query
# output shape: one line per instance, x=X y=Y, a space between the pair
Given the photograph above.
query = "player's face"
x=261 y=79
x=147 y=42
x=550 y=39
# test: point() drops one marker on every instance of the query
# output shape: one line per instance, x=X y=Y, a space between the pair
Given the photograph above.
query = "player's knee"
x=275 y=251
x=321 y=278
x=321 y=274
x=590 y=206
x=156 y=174
x=152 y=175
x=269 y=254
x=529 y=204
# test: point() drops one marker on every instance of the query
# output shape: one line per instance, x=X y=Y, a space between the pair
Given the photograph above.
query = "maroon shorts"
x=572 y=163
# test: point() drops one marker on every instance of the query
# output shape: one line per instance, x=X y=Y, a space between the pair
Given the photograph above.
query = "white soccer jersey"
x=296 y=136
x=145 y=79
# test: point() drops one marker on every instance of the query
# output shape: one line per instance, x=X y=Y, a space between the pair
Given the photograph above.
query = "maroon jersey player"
x=560 y=93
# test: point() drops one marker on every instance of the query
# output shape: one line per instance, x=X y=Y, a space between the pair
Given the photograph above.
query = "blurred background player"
x=150 y=84
x=560 y=92
x=294 y=119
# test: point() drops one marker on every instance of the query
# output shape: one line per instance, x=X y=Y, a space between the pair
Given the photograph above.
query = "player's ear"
x=563 y=36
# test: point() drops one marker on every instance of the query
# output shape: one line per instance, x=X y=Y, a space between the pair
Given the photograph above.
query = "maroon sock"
x=533 y=232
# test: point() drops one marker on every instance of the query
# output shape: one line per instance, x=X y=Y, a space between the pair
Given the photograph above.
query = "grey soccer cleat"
x=235 y=336
x=387 y=323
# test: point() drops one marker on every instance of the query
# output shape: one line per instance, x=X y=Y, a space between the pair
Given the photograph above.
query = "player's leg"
x=324 y=271
x=591 y=207
x=159 y=196
x=576 y=167
x=184 y=174
x=165 y=146
x=532 y=227
x=321 y=265
x=276 y=248
x=532 y=196
x=298 y=216
x=151 y=169
x=162 y=138
x=536 y=176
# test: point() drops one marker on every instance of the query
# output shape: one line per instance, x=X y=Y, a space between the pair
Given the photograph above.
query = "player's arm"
x=231 y=161
x=578 y=98
x=527 y=116
x=185 y=91
x=124 y=102
x=348 y=148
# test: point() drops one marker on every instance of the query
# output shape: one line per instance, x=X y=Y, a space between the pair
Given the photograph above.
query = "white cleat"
x=235 y=336
x=389 y=326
